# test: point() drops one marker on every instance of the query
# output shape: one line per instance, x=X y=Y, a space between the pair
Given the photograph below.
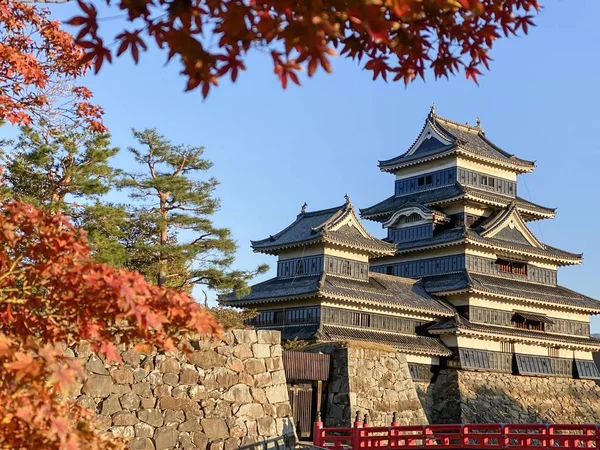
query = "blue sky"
x=274 y=149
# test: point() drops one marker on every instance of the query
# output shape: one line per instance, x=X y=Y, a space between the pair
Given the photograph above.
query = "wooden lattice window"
x=518 y=268
x=347 y=268
x=300 y=268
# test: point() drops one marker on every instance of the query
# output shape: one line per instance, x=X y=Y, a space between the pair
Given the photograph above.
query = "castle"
x=459 y=284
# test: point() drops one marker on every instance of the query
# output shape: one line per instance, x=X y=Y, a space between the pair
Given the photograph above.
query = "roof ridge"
x=320 y=211
x=471 y=128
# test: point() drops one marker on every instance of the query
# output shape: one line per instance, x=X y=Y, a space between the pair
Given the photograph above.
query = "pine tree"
x=181 y=246
x=53 y=168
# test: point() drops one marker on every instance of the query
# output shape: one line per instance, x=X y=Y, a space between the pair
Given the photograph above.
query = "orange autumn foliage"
x=39 y=64
x=51 y=292
x=399 y=39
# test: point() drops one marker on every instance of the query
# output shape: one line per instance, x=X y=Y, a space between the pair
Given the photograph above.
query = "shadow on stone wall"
x=492 y=404
x=285 y=442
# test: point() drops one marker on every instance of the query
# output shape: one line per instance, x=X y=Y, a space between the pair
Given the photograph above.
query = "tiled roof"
x=461 y=138
x=319 y=226
x=465 y=325
x=511 y=288
x=405 y=343
x=403 y=293
x=431 y=197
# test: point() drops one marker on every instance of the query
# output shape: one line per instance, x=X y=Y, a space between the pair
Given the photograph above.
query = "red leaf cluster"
x=403 y=38
x=39 y=63
x=51 y=292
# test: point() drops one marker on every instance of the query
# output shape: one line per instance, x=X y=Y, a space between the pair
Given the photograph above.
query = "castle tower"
x=459 y=226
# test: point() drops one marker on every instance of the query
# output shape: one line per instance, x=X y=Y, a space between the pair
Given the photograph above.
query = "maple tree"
x=52 y=292
x=399 y=38
x=39 y=67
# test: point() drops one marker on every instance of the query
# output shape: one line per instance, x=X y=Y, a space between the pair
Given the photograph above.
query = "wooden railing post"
x=355 y=436
x=392 y=442
x=363 y=433
x=318 y=440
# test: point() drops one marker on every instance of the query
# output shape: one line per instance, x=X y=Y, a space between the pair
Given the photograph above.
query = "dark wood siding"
x=420 y=372
x=587 y=369
x=489 y=266
x=311 y=265
x=409 y=234
x=497 y=317
x=337 y=316
x=438 y=178
x=303 y=366
x=346 y=268
x=424 y=267
x=487 y=182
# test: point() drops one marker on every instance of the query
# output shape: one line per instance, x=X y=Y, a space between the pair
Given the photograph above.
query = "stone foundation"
x=457 y=396
x=373 y=382
x=223 y=396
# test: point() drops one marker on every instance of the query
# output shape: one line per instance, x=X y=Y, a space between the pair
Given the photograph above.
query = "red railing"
x=462 y=436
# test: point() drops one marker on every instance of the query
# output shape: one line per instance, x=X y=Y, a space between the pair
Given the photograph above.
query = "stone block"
x=190 y=425
x=207 y=359
x=231 y=443
x=120 y=389
x=143 y=430
x=97 y=386
x=278 y=377
x=142 y=389
x=246 y=379
x=250 y=411
x=251 y=428
x=151 y=417
x=239 y=393
x=122 y=432
x=274 y=364
x=263 y=380
x=148 y=403
x=122 y=375
x=96 y=366
x=242 y=351
x=86 y=401
x=171 y=379
x=139 y=374
x=200 y=440
x=276 y=351
x=198 y=392
x=216 y=445
x=169 y=365
x=173 y=417
x=124 y=418
x=268 y=337
x=255 y=366
x=235 y=364
x=259 y=395
x=266 y=426
x=283 y=410
x=245 y=336
x=180 y=391
x=188 y=375
x=111 y=405
x=277 y=394
x=141 y=443
x=261 y=350
x=270 y=410
x=165 y=438
x=184 y=404
x=163 y=390
x=215 y=428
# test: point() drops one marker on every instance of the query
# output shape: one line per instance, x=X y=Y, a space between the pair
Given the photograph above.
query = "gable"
x=429 y=141
x=510 y=227
x=350 y=225
x=512 y=235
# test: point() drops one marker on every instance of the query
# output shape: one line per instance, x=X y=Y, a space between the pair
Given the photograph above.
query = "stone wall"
x=456 y=396
x=373 y=382
x=223 y=396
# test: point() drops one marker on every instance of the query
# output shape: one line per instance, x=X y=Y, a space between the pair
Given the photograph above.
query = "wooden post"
x=356 y=432
x=319 y=395
x=393 y=432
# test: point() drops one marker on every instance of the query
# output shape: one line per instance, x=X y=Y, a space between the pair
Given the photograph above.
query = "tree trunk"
x=162 y=260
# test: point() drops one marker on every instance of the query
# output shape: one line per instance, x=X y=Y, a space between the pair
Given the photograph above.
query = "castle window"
x=491 y=181
x=530 y=321
x=300 y=268
x=361 y=320
x=484 y=180
x=428 y=180
x=421 y=181
x=516 y=268
x=389 y=270
x=346 y=268
x=553 y=352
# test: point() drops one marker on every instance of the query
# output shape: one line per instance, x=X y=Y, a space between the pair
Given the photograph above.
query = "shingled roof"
x=454 y=138
x=381 y=211
x=460 y=325
x=397 y=292
x=510 y=288
x=337 y=225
